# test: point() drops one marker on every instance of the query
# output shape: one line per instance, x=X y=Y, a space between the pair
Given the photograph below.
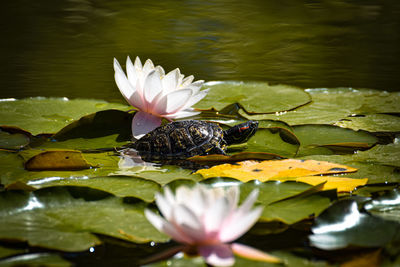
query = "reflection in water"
x=66 y=48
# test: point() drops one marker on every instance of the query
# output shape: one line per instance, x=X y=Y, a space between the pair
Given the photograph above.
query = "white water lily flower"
x=206 y=220
x=155 y=94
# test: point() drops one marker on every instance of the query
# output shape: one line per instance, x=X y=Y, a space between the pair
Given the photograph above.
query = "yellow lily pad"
x=342 y=184
x=273 y=169
x=57 y=160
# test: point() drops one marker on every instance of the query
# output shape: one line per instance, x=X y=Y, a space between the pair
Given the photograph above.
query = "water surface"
x=66 y=48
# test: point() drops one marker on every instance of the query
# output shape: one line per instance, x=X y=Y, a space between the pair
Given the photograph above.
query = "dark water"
x=66 y=47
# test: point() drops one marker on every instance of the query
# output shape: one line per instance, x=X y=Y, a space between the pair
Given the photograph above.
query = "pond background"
x=66 y=48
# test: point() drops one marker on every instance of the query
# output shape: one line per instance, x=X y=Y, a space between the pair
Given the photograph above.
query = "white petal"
x=239 y=225
x=233 y=194
x=173 y=102
x=196 y=86
x=184 y=216
x=170 y=81
x=122 y=82
x=187 y=81
x=152 y=86
x=143 y=123
x=183 y=194
x=216 y=214
x=164 y=206
x=131 y=71
x=137 y=100
x=169 y=196
x=160 y=70
x=253 y=254
x=196 y=98
x=138 y=63
x=218 y=255
x=156 y=220
x=197 y=202
x=165 y=227
x=148 y=66
x=182 y=114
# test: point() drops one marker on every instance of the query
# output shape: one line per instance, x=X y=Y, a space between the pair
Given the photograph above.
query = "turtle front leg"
x=217 y=150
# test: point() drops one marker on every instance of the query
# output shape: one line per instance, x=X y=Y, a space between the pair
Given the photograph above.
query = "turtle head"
x=240 y=133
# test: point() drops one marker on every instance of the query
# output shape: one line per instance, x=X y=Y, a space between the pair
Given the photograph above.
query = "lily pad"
x=57 y=160
x=327 y=107
x=334 y=104
x=295 y=209
x=343 y=225
x=6 y=252
x=289 y=201
x=273 y=169
x=341 y=184
x=273 y=191
x=120 y=186
x=386 y=206
x=371 y=123
x=36 y=259
x=332 y=137
x=381 y=154
x=106 y=164
x=49 y=115
x=164 y=175
x=103 y=129
x=375 y=101
x=13 y=138
x=375 y=172
x=276 y=141
x=52 y=218
x=254 y=97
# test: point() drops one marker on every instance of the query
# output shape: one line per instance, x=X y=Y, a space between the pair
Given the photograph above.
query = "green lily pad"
x=343 y=225
x=372 y=123
x=273 y=191
x=103 y=129
x=381 y=154
x=254 y=97
x=106 y=164
x=52 y=218
x=327 y=107
x=332 y=137
x=13 y=138
x=163 y=175
x=6 y=252
x=370 y=190
x=335 y=104
x=386 y=206
x=11 y=165
x=240 y=156
x=295 y=209
x=288 y=202
x=37 y=259
x=376 y=173
x=375 y=101
x=276 y=141
x=49 y=115
x=120 y=186
x=274 y=124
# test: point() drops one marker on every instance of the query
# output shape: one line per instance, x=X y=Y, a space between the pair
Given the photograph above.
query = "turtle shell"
x=180 y=140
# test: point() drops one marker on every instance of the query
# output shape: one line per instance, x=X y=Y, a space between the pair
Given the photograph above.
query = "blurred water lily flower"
x=206 y=220
x=155 y=94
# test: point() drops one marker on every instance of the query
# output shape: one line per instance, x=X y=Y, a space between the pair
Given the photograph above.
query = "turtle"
x=184 y=139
